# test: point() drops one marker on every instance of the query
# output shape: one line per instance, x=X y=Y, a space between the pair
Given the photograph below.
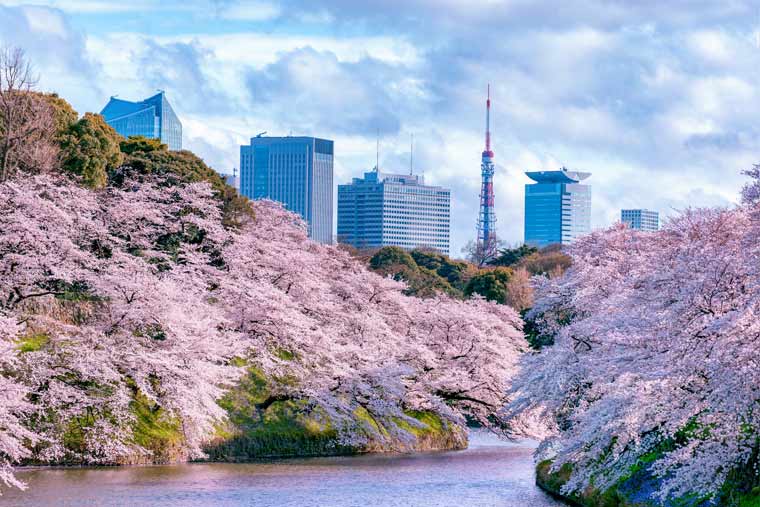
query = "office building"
x=557 y=207
x=296 y=171
x=394 y=210
x=641 y=219
x=153 y=118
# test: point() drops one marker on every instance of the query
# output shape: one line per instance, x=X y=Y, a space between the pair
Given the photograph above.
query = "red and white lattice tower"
x=487 y=214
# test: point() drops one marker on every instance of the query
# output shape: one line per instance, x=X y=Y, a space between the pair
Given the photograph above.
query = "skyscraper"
x=487 y=213
x=296 y=171
x=153 y=118
x=557 y=207
x=394 y=210
x=641 y=219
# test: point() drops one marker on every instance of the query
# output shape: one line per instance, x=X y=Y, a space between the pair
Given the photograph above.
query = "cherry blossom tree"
x=655 y=351
x=139 y=292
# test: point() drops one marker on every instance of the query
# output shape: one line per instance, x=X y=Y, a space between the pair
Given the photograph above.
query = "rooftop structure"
x=557 y=207
x=153 y=118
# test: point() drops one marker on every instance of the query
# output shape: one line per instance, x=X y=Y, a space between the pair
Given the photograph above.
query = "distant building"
x=232 y=180
x=153 y=118
x=296 y=171
x=557 y=207
x=394 y=210
x=641 y=219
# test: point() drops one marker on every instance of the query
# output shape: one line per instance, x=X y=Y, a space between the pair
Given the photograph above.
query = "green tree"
x=510 y=256
x=421 y=281
x=454 y=272
x=64 y=116
x=491 y=284
x=90 y=149
x=142 y=144
x=150 y=156
x=390 y=258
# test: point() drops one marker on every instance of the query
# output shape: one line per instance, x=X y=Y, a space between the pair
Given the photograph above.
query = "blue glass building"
x=557 y=207
x=641 y=219
x=394 y=210
x=153 y=118
x=296 y=171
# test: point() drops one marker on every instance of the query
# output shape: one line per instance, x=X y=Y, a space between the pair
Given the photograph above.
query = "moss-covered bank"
x=637 y=488
x=262 y=424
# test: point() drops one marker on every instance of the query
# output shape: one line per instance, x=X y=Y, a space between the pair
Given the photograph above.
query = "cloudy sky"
x=658 y=100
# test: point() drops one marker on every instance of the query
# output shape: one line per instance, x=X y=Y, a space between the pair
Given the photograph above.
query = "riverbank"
x=488 y=473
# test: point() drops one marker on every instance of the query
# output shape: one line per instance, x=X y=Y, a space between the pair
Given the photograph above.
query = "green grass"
x=431 y=423
x=153 y=428
x=33 y=342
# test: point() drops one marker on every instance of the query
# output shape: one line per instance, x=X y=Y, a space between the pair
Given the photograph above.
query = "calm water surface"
x=489 y=473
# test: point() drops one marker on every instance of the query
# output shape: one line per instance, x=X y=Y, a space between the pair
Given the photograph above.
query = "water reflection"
x=489 y=473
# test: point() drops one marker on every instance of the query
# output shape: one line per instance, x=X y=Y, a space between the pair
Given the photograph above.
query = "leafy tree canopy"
x=510 y=256
x=90 y=148
x=491 y=284
x=142 y=144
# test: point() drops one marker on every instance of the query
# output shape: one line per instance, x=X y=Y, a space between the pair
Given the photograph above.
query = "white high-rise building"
x=641 y=219
x=394 y=210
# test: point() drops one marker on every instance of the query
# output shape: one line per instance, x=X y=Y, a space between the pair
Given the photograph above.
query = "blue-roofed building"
x=153 y=118
x=557 y=207
x=296 y=171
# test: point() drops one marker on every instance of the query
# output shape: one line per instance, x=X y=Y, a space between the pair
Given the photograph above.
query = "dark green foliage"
x=90 y=148
x=455 y=272
x=148 y=157
x=491 y=284
x=533 y=334
x=140 y=143
x=70 y=291
x=422 y=281
x=391 y=257
x=510 y=256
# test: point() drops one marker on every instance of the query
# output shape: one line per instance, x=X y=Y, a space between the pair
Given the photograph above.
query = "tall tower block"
x=487 y=214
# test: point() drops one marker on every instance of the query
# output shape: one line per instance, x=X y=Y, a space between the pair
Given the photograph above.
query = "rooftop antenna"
x=261 y=133
x=411 y=156
x=377 y=152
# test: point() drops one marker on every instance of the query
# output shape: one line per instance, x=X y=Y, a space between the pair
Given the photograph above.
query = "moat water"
x=489 y=473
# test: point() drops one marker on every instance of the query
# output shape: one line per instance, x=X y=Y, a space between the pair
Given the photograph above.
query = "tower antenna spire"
x=488 y=119
x=377 y=152
x=486 y=244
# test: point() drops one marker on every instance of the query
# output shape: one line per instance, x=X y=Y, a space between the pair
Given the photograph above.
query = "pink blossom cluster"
x=141 y=289
x=656 y=351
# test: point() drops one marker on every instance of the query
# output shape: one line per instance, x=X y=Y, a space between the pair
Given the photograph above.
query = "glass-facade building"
x=557 y=207
x=641 y=219
x=153 y=118
x=394 y=210
x=296 y=171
